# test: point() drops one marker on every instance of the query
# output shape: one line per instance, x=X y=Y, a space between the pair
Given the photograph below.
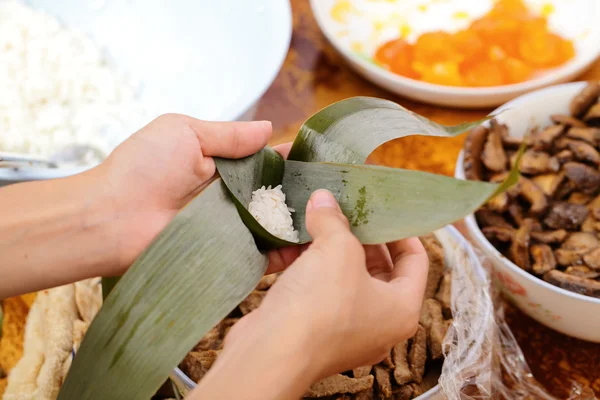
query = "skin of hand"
x=97 y=223
x=329 y=312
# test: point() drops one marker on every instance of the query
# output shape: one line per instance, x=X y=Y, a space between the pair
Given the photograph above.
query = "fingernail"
x=322 y=199
x=265 y=125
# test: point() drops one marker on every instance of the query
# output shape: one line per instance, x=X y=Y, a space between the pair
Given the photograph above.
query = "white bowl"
x=452 y=242
x=577 y=19
x=209 y=59
x=567 y=312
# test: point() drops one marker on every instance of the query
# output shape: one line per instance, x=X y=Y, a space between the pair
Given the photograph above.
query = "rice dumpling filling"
x=268 y=207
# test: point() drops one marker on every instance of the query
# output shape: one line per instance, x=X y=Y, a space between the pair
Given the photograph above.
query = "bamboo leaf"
x=198 y=269
x=349 y=130
x=108 y=284
x=345 y=132
x=384 y=204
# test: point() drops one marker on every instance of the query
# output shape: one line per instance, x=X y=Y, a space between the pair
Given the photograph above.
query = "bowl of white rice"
x=92 y=72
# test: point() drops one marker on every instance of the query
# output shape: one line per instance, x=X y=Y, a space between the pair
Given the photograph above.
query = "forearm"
x=268 y=364
x=54 y=232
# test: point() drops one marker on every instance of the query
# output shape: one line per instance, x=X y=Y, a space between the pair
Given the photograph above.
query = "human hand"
x=159 y=169
x=329 y=307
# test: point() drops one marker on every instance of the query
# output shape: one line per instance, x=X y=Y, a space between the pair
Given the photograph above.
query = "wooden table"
x=313 y=77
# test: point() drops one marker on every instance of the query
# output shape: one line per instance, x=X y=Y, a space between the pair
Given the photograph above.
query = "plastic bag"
x=483 y=358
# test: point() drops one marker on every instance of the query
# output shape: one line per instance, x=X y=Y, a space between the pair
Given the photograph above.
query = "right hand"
x=343 y=314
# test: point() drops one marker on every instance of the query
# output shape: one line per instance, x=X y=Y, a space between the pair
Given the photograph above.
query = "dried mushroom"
x=545 y=138
x=592 y=117
x=549 y=223
x=535 y=162
x=543 y=257
x=582 y=272
x=519 y=248
x=498 y=233
x=592 y=259
x=493 y=155
x=582 y=102
x=584 y=152
x=564 y=156
x=487 y=217
x=588 y=287
x=578 y=198
x=567 y=120
x=582 y=177
x=589 y=135
x=533 y=195
x=549 y=183
x=398 y=376
x=550 y=237
x=564 y=215
x=473 y=149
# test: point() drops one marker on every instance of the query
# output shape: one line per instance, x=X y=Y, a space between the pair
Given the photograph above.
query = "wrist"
x=55 y=232
x=266 y=357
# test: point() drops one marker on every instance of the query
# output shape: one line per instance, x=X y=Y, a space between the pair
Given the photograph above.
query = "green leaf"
x=197 y=270
x=345 y=132
x=108 y=284
x=384 y=204
x=348 y=131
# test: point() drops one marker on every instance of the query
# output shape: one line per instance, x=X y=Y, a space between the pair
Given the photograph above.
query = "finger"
x=410 y=263
x=280 y=259
x=324 y=216
x=379 y=261
x=231 y=139
x=284 y=149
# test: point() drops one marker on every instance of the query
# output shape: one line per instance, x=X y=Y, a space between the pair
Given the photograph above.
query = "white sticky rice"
x=269 y=209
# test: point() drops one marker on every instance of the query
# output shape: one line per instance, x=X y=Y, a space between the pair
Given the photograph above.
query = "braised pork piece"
x=549 y=223
x=403 y=375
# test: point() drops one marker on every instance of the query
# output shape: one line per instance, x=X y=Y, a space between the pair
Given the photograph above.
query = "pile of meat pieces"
x=549 y=223
x=398 y=377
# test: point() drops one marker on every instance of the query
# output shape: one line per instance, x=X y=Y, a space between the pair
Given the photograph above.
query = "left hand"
x=159 y=169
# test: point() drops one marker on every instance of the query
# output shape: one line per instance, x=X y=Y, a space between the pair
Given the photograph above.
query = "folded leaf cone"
x=209 y=258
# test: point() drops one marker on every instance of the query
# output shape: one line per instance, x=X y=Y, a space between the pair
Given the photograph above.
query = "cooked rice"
x=269 y=209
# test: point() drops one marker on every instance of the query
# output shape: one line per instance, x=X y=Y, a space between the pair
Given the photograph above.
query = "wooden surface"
x=313 y=77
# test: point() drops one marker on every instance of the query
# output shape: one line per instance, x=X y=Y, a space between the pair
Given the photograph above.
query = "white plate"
x=577 y=19
x=209 y=59
x=557 y=308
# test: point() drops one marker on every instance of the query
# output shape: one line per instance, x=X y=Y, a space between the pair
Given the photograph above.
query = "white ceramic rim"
x=559 y=74
x=181 y=378
x=273 y=70
x=284 y=19
x=474 y=227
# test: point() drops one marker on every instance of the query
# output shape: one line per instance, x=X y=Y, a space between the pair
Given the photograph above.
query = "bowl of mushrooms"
x=542 y=235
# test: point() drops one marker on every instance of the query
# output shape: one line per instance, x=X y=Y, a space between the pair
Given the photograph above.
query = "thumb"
x=324 y=216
